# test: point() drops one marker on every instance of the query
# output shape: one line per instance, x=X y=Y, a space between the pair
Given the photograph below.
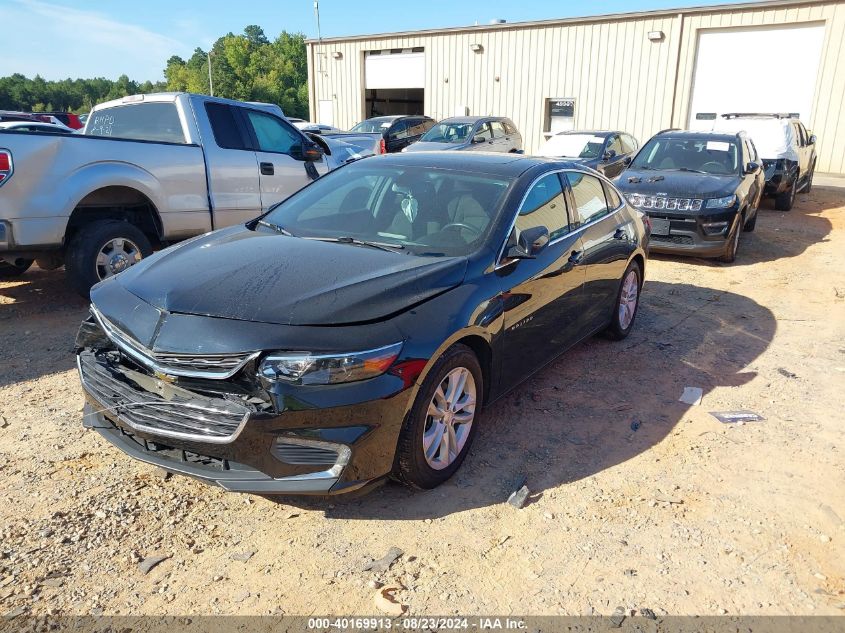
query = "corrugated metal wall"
x=618 y=77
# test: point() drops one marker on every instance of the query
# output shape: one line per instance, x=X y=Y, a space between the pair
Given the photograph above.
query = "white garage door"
x=763 y=69
x=383 y=69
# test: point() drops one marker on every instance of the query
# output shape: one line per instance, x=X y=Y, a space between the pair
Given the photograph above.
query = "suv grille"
x=184 y=415
x=662 y=202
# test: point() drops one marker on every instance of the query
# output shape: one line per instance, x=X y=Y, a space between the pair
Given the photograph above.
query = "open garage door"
x=394 y=81
x=758 y=69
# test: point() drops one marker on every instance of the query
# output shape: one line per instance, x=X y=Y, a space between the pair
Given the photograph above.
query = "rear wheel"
x=809 y=184
x=440 y=427
x=785 y=200
x=9 y=271
x=627 y=302
x=101 y=250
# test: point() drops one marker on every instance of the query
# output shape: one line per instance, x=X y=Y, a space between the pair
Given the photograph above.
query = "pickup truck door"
x=276 y=143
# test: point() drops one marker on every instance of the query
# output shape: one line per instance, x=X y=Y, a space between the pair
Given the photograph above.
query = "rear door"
x=607 y=242
x=232 y=168
x=276 y=144
x=543 y=298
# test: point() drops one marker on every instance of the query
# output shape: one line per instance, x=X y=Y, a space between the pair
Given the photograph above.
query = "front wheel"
x=732 y=243
x=439 y=429
x=9 y=271
x=627 y=302
x=785 y=200
x=101 y=250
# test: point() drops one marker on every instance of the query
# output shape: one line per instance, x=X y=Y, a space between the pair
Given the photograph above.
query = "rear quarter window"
x=141 y=122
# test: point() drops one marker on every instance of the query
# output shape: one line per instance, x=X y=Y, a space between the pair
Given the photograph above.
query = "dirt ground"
x=637 y=501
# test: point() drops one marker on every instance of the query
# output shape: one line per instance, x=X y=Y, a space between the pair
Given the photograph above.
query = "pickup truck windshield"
x=422 y=210
x=138 y=121
x=689 y=154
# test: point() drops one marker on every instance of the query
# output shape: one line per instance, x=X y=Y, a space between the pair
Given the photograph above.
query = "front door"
x=615 y=163
x=280 y=173
x=608 y=240
x=543 y=296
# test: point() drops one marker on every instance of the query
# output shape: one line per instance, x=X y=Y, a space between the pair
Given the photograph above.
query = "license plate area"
x=659 y=226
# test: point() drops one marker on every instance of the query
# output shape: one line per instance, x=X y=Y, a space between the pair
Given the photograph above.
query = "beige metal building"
x=637 y=72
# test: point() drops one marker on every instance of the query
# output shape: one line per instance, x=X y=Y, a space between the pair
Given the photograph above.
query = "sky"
x=58 y=39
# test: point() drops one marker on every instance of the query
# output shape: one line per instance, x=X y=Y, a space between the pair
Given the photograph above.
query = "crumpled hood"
x=677 y=184
x=263 y=277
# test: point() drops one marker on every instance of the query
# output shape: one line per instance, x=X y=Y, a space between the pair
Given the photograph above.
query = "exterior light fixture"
x=476 y=48
x=337 y=55
x=655 y=36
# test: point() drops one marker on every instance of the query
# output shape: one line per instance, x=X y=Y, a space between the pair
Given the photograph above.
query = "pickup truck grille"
x=214 y=366
x=180 y=415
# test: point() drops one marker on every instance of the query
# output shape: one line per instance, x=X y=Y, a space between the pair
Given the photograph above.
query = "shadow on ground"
x=578 y=416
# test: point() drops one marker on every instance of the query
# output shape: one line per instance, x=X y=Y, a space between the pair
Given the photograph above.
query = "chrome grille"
x=214 y=366
x=184 y=415
x=663 y=202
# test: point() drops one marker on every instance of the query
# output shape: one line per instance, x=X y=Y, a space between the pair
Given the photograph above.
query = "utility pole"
x=211 y=85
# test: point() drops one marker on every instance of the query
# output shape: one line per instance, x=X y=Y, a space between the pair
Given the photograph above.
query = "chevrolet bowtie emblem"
x=164 y=377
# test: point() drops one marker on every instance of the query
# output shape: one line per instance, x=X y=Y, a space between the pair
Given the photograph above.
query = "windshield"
x=372 y=126
x=448 y=133
x=423 y=210
x=573 y=146
x=689 y=154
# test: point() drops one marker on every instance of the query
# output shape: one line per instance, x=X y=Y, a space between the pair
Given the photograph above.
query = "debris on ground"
x=242 y=556
x=384 y=563
x=732 y=417
x=630 y=573
x=519 y=497
x=3 y=422
x=618 y=617
x=692 y=396
x=146 y=565
x=664 y=498
x=787 y=373
x=648 y=614
x=386 y=601
x=635 y=425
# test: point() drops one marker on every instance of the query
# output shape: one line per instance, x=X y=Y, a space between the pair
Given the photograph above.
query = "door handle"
x=267 y=169
x=620 y=234
x=576 y=257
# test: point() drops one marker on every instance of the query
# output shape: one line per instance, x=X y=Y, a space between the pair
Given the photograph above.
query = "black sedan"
x=356 y=330
x=701 y=190
x=608 y=152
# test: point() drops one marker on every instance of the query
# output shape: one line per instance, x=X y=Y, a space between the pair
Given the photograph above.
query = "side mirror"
x=812 y=139
x=752 y=168
x=609 y=154
x=530 y=242
x=627 y=161
x=477 y=139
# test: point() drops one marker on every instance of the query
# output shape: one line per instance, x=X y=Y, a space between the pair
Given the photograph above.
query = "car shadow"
x=780 y=234
x=599 y=405
x=39 y=317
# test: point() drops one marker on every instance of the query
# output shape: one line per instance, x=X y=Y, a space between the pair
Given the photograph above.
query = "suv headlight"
x=305 y=368
x=721 y=203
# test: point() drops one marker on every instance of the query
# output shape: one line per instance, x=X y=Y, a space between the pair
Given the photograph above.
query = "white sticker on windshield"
x=386 y=124
x=718 y=146
x=596 y=139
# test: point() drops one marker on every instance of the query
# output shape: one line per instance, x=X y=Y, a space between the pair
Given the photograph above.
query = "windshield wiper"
x=384 y=246
x=694 y=171
x=276 y=227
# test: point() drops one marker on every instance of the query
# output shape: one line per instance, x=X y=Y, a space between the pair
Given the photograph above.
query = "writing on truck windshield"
x=142 y=122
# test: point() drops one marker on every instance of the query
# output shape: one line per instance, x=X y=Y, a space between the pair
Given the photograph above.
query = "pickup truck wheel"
x=785 y=200
x=101 y=250
x=8 y=271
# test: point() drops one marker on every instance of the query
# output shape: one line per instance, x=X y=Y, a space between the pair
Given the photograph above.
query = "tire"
x=749 y=225
x=809 y=184
x=623 y=321
x=82 y=267
x=10 y=271
x=412 y=467
x=732 y=245
x=785 y=200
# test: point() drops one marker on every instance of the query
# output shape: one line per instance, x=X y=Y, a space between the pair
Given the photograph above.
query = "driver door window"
x=544 y=205
x=484 y=133
x=615 y=145
x=271 y=133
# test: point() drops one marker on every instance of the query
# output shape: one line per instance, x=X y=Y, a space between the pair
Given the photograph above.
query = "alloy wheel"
x=115 y=256
x=449 y=418
x=628 y=299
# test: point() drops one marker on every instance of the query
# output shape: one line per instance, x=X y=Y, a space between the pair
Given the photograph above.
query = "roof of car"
x=699 y=135
x=472 y=119
x=493 y=163
x=396 y=117
x=592 y=132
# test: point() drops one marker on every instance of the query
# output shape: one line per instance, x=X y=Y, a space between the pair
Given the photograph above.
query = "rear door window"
x=142 y=122
x=225 y=126
x=588 y=195
x=498 y=129
x=399 y=130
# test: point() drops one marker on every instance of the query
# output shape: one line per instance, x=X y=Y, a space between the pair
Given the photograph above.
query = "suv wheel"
x=785 y=200
x=440 y=427
x=8 y=271
x=809 y=184
x=101 y=250
x=732 y=244
x=749 y=225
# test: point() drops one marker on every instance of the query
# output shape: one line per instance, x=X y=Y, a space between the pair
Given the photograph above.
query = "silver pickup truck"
x=148 y=170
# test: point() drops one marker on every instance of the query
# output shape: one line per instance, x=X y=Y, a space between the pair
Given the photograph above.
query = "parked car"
x=394 y=133
x=68 y=119
x=317 y=128
x=700 y=190
x=356 y=330
x=788 y=151
x=149 y=170
x=608 y=152
x=470 y=133
x=13 y=115
x=35 y=126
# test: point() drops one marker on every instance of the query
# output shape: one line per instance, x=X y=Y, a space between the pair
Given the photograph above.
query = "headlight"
x=721 y=203
x=305 y=368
